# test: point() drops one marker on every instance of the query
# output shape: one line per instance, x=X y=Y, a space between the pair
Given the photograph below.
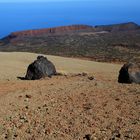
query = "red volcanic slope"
x=61 y=29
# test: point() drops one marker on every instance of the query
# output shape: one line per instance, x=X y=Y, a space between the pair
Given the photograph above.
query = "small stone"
x=91 y=78
x=44 y=105
x=15 y=135
x=28 y=96
x=117 y=99
x=39 y=107
x=26 y=107
x=88 y=137
x=6 y=136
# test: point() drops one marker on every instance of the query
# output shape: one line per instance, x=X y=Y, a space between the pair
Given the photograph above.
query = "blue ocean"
x=29 y=15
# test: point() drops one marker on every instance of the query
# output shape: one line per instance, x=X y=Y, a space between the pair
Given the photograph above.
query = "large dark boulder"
x=129 y=73
x=40 y=68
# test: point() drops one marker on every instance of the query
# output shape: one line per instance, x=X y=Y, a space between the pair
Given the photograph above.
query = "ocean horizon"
x=19 y=16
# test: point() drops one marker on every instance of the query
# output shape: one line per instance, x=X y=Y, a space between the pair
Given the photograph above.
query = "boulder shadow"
x=21 y=78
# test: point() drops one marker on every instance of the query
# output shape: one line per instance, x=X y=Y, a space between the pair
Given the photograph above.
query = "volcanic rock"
x=129 y=73
x=40 y=68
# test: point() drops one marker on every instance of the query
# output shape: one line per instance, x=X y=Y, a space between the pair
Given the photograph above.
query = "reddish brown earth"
x=69 y=108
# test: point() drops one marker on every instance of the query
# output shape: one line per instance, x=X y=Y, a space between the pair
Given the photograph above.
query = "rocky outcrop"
x=129 y=73
x=118 y=27
x=40 y=68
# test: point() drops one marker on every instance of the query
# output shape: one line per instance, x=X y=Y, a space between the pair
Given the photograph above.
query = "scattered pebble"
x=88 y=137
x=28 y=96
x=91 y=78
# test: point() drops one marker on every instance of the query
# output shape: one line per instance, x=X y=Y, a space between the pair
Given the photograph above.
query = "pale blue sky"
x=127 y=2
x=103 y=1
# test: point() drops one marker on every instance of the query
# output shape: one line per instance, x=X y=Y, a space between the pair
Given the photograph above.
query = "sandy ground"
x=13 y=65
x=69 y=107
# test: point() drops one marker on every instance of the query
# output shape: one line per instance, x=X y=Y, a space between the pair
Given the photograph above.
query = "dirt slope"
x=68 y=107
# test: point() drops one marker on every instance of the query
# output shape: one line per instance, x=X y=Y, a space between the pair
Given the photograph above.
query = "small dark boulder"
x=129 y=73
x=40 y=68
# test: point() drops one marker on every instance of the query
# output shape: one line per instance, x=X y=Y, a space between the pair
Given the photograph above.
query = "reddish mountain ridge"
x=130 y=26
x=55 y=30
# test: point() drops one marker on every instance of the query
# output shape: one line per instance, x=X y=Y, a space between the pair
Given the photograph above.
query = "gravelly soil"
x=69 y=108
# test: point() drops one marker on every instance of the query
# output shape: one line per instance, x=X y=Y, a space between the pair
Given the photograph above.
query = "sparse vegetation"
x=107 y=47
